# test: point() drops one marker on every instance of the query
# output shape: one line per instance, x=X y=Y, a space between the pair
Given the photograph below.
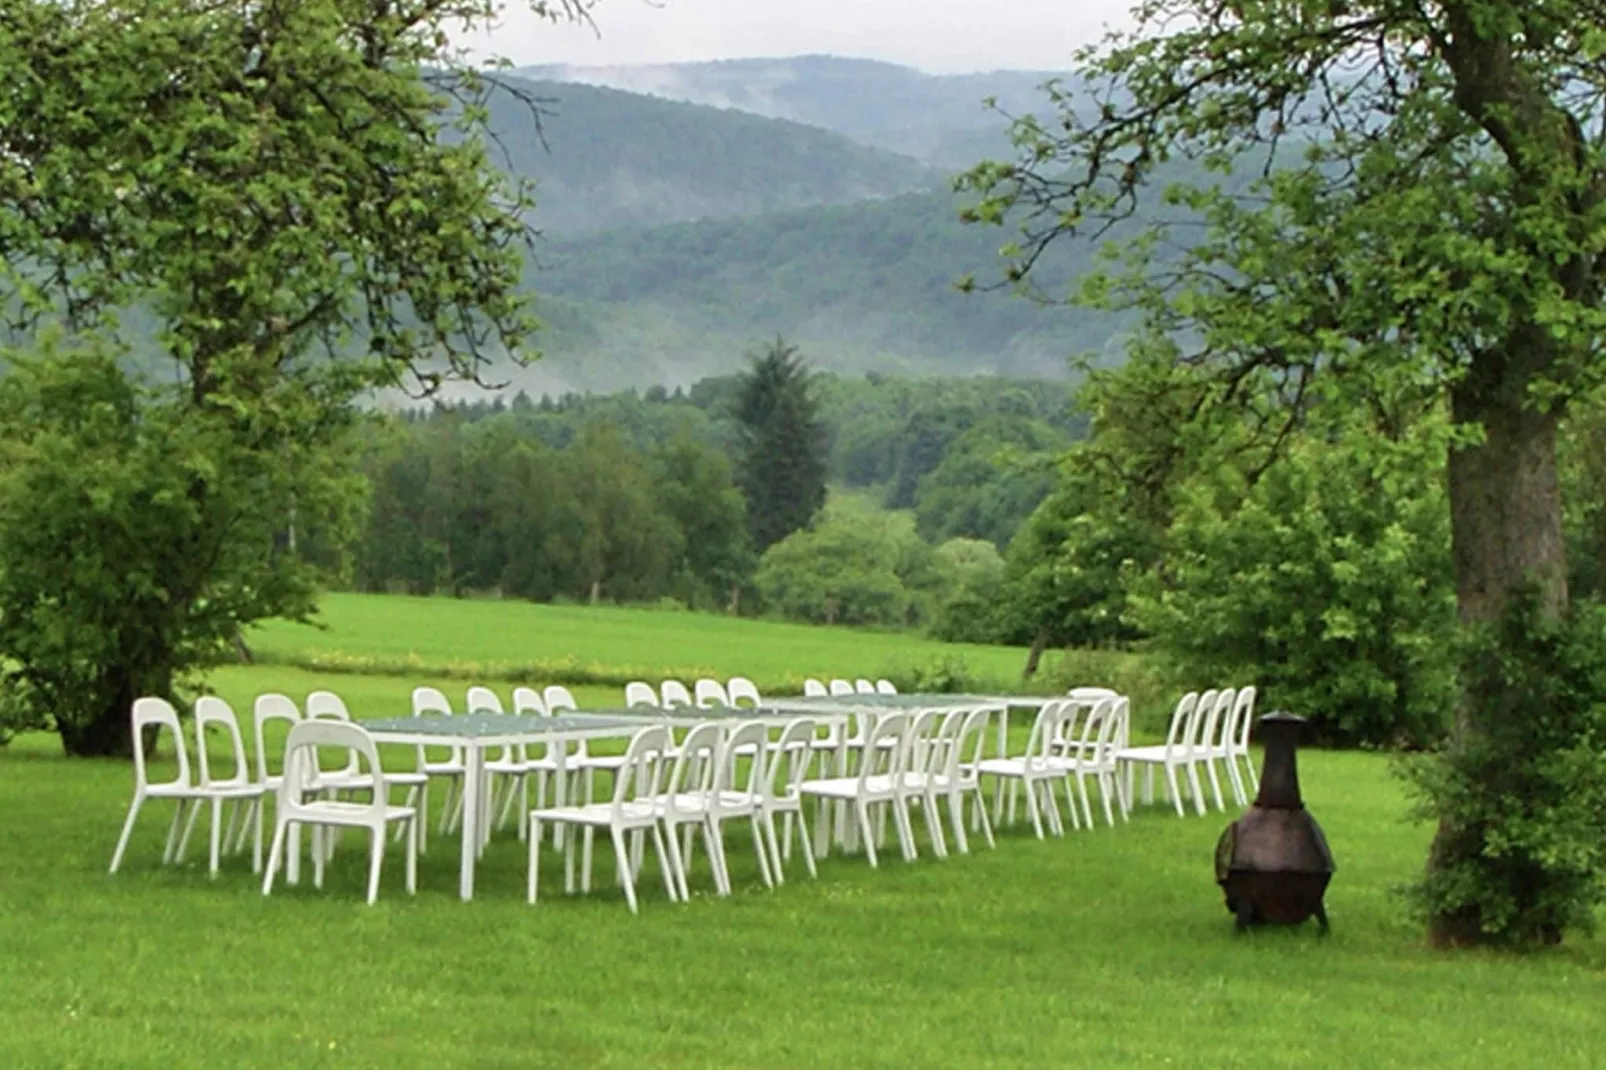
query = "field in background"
x=463 y=638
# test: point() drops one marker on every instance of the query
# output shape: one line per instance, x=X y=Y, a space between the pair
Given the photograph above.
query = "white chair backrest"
x=644 y=770
x=1201 y=711
x=270 y=707
x=882 y=760
x=640 y=693
x=924 y=726
x=696 y=768
x=1047 y=728
x=790 y=764
x=301 y=761
x=1176 y=737
x=213 y=712
x=841 y=687
x=327 y=705
x=430 y=700
x=1102 y=732
x=864 y=687
x=1211 y=718
x=158 y=713
x=527 y=700
x=744 y=773
x=1091 y=694
x=482 y=700
x=812 y=688
x=739 y=688
x=1243 y=714
x=885 y=687
x=557 y=698
x=711 y=693
x=675 y=694
x=970 y=741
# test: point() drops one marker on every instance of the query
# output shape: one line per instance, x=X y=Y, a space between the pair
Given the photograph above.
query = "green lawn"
x=461 y=638
x=1108 y=948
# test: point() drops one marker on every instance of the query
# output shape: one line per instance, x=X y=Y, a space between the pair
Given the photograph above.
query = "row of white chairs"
x=720 y=772
x=234 y=795
x=813 y=688
x=705 y=693
x=1206 y=728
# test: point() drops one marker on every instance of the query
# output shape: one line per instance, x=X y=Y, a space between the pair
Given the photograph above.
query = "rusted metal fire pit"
x=1273 y=863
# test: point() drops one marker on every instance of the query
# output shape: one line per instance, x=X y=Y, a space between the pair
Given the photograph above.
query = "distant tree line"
x=713 y=496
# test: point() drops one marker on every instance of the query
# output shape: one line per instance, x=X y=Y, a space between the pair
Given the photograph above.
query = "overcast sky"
x=941 y=36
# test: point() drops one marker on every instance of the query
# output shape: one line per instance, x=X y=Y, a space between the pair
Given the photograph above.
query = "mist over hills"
x=937 y=118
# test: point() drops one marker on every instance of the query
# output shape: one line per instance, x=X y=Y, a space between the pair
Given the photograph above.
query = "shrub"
x=1525 y=791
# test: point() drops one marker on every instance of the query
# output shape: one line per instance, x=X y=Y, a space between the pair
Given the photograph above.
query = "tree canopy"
x=273 y=186
x=1424 y=222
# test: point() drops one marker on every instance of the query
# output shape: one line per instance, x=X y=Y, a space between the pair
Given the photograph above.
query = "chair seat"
x=345 y=783
x=632 y=813
x=848 y=787
x=598 y=761
x=333 y=812
x=1027 y=767
x=690 y=805
x=1151 y=754
x=446 y=768
x=224 y=791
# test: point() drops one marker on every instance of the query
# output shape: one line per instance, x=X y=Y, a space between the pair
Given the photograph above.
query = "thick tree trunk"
x=107 y=734
x=1505 y=525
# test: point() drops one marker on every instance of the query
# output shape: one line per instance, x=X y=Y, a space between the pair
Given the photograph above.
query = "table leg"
x=1003 y=752
x=473 y=769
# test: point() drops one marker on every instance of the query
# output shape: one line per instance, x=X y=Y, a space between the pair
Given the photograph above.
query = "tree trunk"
x=107 y=734
x=1505 y=529
x=1035 y=654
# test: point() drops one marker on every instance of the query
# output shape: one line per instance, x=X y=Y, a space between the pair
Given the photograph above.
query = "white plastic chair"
x=675 y=694
x=864 y=687
x=924 y=765
x=238 y=789
x=640 y=693
x=885 y=687
x=429 y=700
x=527 y=702
x=966 y=731
x=1221 y=748
x=266 y=709
x=710 y=694
x=1173 y=757
x=1095 y=756
x=1036 y=768
x=691 y=800
x=156 y=713
x=376 y=814
x=1244 y=714
x=788 y=767
x=582 y=765
x=841 y=687
x=504 y=772
x=877 y=783
x=1203 y=752
x=740 y=688
x=632 y=810
x=812 y=688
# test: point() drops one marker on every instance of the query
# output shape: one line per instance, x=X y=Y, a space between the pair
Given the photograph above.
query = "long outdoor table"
x=477 y=733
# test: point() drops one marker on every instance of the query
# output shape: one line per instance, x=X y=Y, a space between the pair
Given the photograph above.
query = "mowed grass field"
x=506 y=639
x=1109 y=947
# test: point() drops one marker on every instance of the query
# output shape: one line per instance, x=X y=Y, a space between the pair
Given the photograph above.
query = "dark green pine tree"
x=782 y=444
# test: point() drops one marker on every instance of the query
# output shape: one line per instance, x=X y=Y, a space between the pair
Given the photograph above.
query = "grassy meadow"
x=1107 y=948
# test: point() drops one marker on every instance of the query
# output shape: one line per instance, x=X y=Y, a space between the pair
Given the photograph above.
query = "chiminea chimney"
x=1273 y=863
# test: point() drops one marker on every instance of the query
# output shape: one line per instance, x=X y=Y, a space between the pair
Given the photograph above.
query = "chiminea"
x=1273 y=862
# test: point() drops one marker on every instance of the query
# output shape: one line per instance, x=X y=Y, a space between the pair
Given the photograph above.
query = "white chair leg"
x=1176 y=789
x=412 y=854
x=585 y=859
x=1196 y=787
x=906 y=832
x=212 y=838
x=128 y=829
x=677 y=864
x=275 y=854
x=933 y=815
x=622 y=861
x=981 y=819
x=956 y=821
x=1031 y=811
x=189 y=828
x=862 y=814
x=376 y=858
x=664 y=865
x=534 y=876
x=761 y=848
x=170 y=845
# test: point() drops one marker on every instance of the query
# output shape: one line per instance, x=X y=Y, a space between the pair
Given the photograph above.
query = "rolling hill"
x=605 y=159
x=939 y=119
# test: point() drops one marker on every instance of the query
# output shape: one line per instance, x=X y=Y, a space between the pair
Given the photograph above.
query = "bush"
x=1329 y=585
x=970 y=573
x=1524 y=793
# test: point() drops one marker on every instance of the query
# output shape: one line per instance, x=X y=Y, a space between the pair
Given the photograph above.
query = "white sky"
x=940 y=36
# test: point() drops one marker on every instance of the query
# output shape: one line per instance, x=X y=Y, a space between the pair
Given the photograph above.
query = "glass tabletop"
x=472 y=725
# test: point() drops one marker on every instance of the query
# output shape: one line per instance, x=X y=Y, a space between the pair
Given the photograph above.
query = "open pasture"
x=1109 y=947
x=465 y=638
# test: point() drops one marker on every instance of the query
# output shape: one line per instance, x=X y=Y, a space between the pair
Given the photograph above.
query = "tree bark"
x=1035 y=654
x=107 y=734
x=1506 y=531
